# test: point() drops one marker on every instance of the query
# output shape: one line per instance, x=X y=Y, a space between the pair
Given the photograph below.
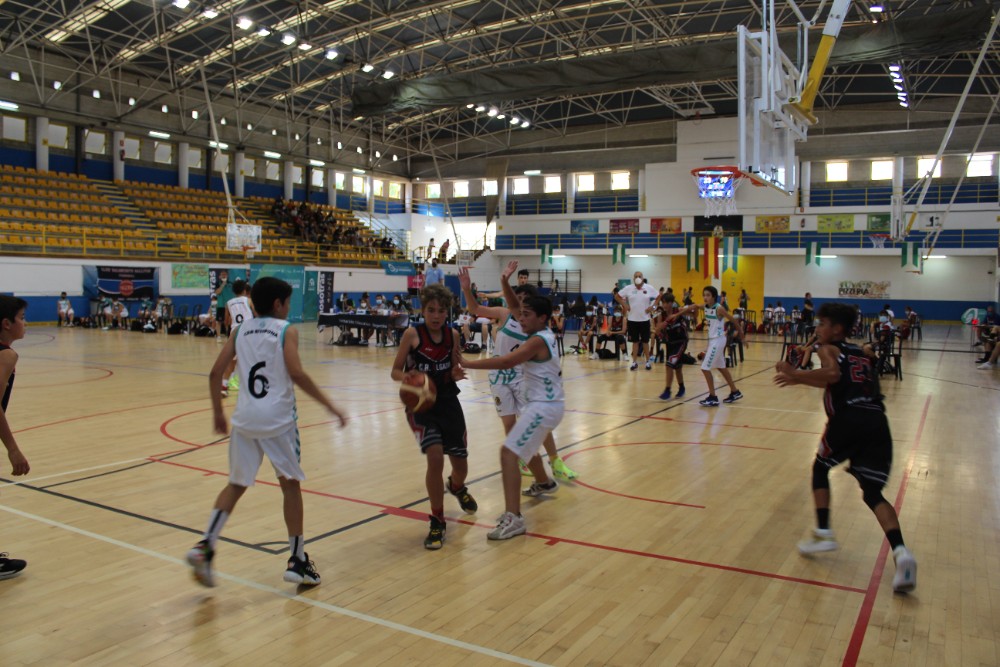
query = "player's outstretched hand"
x=783 y=367
x=458 y=372
x=784 y=380
x=463 y=277
x=19 y=464
x=509 y=271
x=221 y=425
x=340 y=416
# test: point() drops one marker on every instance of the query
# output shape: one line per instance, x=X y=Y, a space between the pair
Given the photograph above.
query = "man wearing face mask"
x=637 y=299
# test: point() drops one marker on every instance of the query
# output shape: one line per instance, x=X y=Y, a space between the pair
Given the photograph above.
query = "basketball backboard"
x=769 y=126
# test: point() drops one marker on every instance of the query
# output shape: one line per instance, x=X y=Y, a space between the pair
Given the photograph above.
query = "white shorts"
x=246 y=454
x=715 y=355
x=508 y=398
x=536 y=421
x=65 y=311
x=107 y=311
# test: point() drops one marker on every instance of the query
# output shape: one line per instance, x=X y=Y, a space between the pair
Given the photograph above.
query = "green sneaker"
x=562 y=471
x=234 y=383
x=522 y=466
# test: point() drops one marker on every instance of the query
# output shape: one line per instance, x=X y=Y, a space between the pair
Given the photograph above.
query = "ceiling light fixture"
x=165 y=109
x=378 y=154
x=533 y=172
x=367 y=67
x=331 y=54
x=220 y=145
x=317 y=163
x=525 y=123
x=222 y=121
x=340 y=145
x=388 y=74
x=305 y=46
x=876 y=9
x=394 y=157
x=360 y=151
x=514 y=120
x=194 y=114
x=263 y=32
x=274 y=132
x=15 y=76
x=492 y=112
x=358 y=171
x=131 y=101
x=181 y=4
x=96 y=94
x=209 y=14
x=288 y=39
x=244 y=23
x=249 y=127
x=9 y=106
x=894 y=68
x=480 y=108
x=158 y=135
x=57 y=84
x=470 y=106
x=297 y=136
x=272 y=155
x=501 y=117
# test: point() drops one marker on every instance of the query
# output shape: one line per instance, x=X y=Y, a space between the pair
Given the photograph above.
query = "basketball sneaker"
x=665 y=396
x=435 y=537
x=680 y=391
x=10 y=567
x=710 y=402
x=906 y=570
x=301 y=571
x=537 y=489
x=635 y=365
x=508 y=525
x=733 y=397
x=234 y=383
x=562 y=471
x=200 y=559
x=985 y=367
x=465 y=499
x=649 y=364
x=523 y=467
x=822 y=540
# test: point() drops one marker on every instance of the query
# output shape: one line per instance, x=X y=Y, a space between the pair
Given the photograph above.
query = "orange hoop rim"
x=722 y=170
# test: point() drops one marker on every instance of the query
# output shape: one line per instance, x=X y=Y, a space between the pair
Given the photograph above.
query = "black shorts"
x=617 y=338
x=862 y=437
x=675 y=353
x=638 y=331
x=444 y=425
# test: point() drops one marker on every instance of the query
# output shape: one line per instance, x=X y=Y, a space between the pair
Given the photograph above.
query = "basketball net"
x=719 y=200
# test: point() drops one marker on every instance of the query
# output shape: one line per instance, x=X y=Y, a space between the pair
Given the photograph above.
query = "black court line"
x=964 y=384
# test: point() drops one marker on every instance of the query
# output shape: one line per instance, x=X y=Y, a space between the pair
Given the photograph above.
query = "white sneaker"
x=821 y=540
x=508 y=525
x=649 y=364
x=537 y=489
x=906 y=570
x=593 y=355
x=985 y=367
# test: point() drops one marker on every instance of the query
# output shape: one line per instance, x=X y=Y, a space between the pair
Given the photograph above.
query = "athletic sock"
x=438 y=513
x=298 y=546
x=895 y=538
x=823 y=518
x=215 y=523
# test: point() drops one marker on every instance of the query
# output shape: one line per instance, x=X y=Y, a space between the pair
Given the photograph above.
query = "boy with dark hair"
x=674 y=330
x=238 y=310
x=64 y=310
x=433 y=348
x=11 y=329
x=264 y=424
x=857 y=431
x=540 y=415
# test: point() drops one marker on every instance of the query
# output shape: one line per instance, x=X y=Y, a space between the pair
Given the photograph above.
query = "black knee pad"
x=872 y=495
x=821 y=473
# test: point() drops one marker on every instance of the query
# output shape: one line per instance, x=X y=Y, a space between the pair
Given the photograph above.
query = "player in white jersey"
x=714 y=356
x=238 y=310
x=64 y=310
x=505 y=385
x=264 y=424
x=541 y=413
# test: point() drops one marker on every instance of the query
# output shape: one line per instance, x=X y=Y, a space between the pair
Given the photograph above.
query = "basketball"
x=417 y=392
x=701 y=356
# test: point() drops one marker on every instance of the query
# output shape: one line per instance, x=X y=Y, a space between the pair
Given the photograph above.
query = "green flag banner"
x=692 y=243
x=813 y=250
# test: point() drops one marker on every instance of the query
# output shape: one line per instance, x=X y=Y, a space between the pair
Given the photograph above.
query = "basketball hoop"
x=248 y=251
x=878 y=240
x=717 y=186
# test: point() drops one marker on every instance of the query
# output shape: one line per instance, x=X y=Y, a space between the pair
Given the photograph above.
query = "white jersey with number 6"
x=239 y=310
x=266 y=405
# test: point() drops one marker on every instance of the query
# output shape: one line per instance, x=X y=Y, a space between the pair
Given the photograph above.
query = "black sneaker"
x=732 y=398
x=301 y=571
x=680 y=391
x=710 y=402
x=435 y=537
x=200 y=559
x=465 y=499
x=10 y=567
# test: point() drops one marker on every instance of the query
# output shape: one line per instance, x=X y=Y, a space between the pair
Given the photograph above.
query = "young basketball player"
x=674 y=331
x=64 y=310
x=506 y=385
x=857 y=431
x=541 y=413
x=238 y=310
x=11 y=329
x=588 y=333
x=616 y=334
x=432 y=348
x=264 y=424
x=119 y=313
x=715 y=355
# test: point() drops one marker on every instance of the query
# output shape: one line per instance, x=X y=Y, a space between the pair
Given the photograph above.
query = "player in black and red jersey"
x=857 y=431
x=11 y=329
x=674 y=334
x=433 y=348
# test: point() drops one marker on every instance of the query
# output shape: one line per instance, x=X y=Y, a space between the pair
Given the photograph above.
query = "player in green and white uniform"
x=715 y=354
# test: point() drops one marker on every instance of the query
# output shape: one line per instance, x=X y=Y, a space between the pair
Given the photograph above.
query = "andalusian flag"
x=711 y=263
x=692 y=252
x=730 y=253
x=618 y=253
x=813 y=250
x=547 y=253
x=911 y=254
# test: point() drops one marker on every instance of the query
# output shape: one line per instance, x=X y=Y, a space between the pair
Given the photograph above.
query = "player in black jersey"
x=857 y=431
x=433 y=348
x=11 y=329
x=675 y=336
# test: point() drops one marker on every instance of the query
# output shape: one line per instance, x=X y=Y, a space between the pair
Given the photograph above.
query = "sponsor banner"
x=415 y=283
x=880 y=223
x=624 y=226
x=126 y=282
x=293 y=275
x=188 y=276
x=832 y=224
x=324 y=291
x=583 y=226
x=773 y=224
x=864 y=289
x=399 y=268
x=665 y=225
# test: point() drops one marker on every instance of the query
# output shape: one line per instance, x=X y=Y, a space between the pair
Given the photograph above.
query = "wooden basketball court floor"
x=676 y=547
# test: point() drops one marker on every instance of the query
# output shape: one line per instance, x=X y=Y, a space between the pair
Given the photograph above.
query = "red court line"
x=757 y=428
x=577 y=482
x=865 y=613
x=107 y=373
x=109 y=412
